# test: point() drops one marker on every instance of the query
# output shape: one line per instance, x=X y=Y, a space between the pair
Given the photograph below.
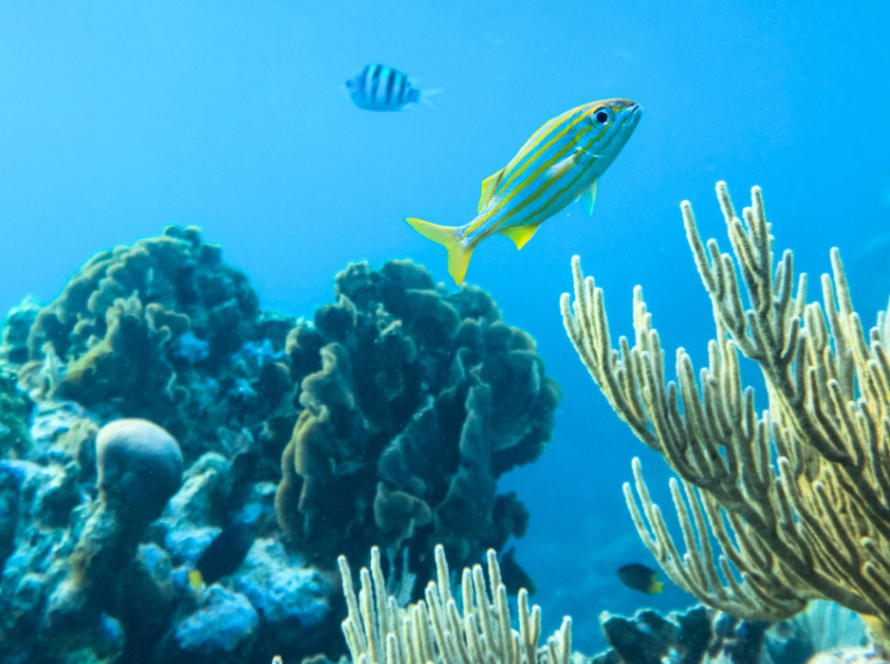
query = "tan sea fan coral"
x=798 y=496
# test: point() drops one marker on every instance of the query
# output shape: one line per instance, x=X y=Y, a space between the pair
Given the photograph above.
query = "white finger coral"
x=442 y=629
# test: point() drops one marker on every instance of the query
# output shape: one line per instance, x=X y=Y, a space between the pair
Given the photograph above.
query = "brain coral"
x=414 y=401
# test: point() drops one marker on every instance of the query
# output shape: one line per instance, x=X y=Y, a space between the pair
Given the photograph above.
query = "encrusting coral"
x=415 y=401
x=797 y=497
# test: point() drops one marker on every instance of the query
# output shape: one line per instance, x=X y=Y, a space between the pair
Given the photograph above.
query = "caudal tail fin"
x=458 y=254
x=425 y=96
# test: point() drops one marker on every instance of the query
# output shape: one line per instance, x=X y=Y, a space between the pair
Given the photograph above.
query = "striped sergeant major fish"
x=381 y=88
x=560 y=163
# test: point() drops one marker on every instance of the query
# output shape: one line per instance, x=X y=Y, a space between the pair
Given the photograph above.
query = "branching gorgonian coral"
x=798 y=496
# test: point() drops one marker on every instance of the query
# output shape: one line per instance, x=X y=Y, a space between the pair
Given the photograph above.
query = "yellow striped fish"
x=560 y=163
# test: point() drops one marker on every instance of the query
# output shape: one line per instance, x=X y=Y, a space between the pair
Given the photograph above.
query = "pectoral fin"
x=563 y=165
x=489 y=184
x=588 y=198
x=520 y=234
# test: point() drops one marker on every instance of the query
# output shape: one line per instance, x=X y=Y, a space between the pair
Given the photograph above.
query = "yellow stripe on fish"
x=561 y=162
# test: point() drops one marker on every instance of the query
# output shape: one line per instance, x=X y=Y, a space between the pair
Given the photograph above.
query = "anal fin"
x=520 y=234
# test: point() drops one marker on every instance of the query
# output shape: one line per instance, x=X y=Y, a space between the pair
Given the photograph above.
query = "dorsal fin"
x=520 y=234
x=489 y=184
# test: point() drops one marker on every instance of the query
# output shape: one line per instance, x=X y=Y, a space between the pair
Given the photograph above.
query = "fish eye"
x=603 y=116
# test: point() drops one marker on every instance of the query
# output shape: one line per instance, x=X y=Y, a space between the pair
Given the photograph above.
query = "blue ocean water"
x=119 y=118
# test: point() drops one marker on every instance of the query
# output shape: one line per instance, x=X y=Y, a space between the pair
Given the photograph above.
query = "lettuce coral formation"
x=157 y=330
x=415 y=401
x=797 y=497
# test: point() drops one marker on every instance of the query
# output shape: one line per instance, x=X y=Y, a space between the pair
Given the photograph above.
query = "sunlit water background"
x=119 y=118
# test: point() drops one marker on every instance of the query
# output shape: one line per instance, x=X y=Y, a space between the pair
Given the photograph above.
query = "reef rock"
x=697 y=636
x=222 y=631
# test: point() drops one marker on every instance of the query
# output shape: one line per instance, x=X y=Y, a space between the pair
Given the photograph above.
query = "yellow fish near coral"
x=560 y=163
x=639 y=577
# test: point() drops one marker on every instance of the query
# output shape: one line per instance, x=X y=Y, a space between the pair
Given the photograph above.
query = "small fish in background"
x=223 y=556
x=558 y=164
x=639 y=577
x=382 y=88
x=277 y=660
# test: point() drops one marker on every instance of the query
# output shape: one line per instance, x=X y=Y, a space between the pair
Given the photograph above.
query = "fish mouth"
x=633 y=113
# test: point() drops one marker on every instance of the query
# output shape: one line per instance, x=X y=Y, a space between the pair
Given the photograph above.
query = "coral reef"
x=798 y=498
x=94 y=581
x=387 y=419
x=704 y=635
x=414 y=402
x=16 y=329
x=471 y=623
